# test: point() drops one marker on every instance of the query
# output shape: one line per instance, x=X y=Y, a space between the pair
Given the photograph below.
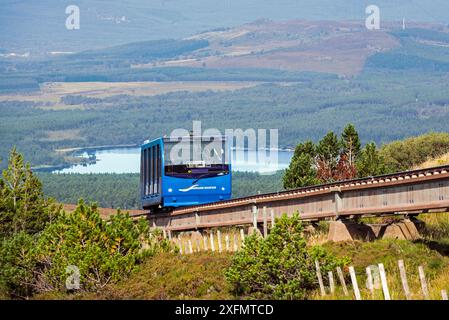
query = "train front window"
x=195 y=159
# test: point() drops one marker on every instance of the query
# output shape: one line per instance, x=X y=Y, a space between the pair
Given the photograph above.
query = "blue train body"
x=167 y=183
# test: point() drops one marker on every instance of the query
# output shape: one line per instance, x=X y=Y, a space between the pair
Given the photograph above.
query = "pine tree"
x=350 y=142
x=22 y=203
x=300 y=173
x=370 y=162
x=305 y=148
x=328 y=151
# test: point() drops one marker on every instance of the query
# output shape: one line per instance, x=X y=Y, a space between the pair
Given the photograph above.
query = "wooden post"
x=198 y=246
x=180 y=244
x=236 y=245
x=272 y=218
x=220 y=249
x=422 y=278
x=190 y=246
x=444 y=294
x=164 y=233
x=242 y=237
x=205 y=243
x=227 y=243
x=320 y=278
x=169 y=235
x=265 y=222
x=404 y=281
x=255 y=217
x=355 y=286
x=212 y=244
x=331 y=282
x=375 y=276
x=383 y=279
x=369 y=281
x=342 y=281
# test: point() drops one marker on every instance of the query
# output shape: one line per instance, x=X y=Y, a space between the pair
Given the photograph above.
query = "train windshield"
x=196 y=158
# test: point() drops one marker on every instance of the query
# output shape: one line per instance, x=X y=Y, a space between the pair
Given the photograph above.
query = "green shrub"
x=17 y=266
x=281 y=266
x=411 y=152
x=23 y=206
x=103 y=251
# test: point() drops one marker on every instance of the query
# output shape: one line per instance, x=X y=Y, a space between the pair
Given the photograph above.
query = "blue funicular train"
x=184 y=171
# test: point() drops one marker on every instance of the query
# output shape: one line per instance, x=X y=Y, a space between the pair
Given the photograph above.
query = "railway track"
x=408 y=192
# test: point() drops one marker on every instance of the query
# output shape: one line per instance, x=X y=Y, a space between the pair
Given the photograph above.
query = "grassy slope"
x=168 y=276
x=388 y=252
x=201 y=275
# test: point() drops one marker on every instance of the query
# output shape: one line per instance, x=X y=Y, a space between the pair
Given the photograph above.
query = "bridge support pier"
x=343 y=230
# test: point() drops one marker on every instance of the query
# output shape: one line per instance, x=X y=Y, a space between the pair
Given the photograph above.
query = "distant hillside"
x=39 y=26
x=420 y=49
x=260 y=51
x=144 y=51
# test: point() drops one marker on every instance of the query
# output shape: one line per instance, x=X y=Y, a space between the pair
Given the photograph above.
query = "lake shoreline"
x=89 y=156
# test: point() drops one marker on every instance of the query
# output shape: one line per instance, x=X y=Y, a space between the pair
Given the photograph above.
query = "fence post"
x=342 y=281
x=422 y=278
x=242 y=237
x=236 y=245
x=169 y=235
x=198 y=246
x=205 y=243
x=255 y=217
x=383 y=279
x=190 y=246
x=164 y=233
x=212 y=244
x=444 y=294
x=369 y=281
x=331 y=282
x=272 y=218
x=404 y=279
x=320 y=278
x=227 y=242
x=220 y=249
x=180 y=244
x=265 y=222
x=355 y=286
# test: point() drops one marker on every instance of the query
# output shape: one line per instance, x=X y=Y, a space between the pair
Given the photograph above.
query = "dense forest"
x=122 y=190
x=383 y=108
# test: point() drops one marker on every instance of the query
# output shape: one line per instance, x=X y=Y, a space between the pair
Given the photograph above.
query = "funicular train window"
x=151 y=170
x=148 y=170
x=154 y=170
x=196 y=158
x=158 y=169
x=145 y=171
x=142 y=176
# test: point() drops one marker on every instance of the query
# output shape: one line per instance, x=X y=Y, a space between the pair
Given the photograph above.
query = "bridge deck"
x=407 y=192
